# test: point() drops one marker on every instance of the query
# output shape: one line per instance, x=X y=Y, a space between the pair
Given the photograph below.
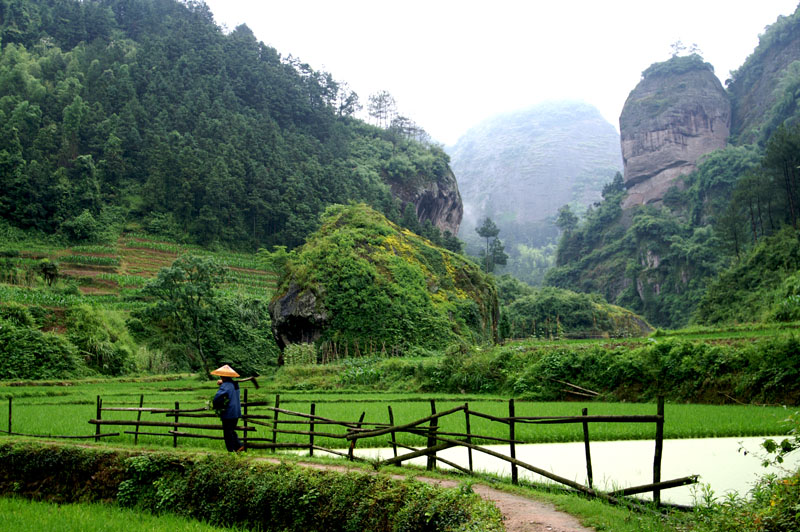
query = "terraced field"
x=106 y=273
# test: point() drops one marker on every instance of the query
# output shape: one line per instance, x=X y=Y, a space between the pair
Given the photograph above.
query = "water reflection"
x=622 y=464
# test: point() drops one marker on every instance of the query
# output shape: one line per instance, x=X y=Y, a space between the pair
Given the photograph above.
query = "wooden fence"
x=274 y=420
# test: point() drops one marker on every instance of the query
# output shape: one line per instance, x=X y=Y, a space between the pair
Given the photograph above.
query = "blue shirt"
x=229 y=390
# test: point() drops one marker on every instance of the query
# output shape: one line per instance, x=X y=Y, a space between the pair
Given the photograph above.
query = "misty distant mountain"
x=519 y=168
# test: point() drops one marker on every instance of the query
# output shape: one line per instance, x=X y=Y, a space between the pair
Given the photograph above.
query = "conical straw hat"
x=225 y=371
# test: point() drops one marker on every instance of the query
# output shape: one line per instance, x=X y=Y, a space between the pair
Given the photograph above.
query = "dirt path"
x=520 y=514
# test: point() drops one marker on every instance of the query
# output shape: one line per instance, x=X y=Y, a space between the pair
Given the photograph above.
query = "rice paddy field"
x=65 y=408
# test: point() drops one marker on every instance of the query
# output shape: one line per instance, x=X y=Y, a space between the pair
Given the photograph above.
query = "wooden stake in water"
x=354 y=440
x=244 y=420
x=659 y=449
x=175 y=430
x=99 y=417
x=469 y=435
x=394 y=439
x=512 y=437
x=585 y=412
x=275 y=422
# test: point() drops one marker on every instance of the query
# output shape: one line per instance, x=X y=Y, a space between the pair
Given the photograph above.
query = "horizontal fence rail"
x=263 y=422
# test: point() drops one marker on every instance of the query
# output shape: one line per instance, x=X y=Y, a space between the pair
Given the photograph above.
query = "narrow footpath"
x=520 y=514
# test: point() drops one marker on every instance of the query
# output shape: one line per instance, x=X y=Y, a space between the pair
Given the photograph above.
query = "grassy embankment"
x=232 y=490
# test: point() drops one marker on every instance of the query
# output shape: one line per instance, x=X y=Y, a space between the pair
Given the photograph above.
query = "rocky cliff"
x=438 y=202
x=677 y=113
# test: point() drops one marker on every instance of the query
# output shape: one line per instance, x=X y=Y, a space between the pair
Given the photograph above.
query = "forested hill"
x=145 y=111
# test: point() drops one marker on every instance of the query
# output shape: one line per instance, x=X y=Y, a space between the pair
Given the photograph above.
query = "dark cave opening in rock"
x=296 y=330
x=428 y=208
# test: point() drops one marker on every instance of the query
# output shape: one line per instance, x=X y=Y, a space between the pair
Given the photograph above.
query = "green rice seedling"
x=42 y=297
x=67 y=409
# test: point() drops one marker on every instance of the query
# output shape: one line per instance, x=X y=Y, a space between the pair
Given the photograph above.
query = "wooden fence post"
x=99 y=417
x=244 y=421
x=9 y=417
x=138 y=419
x=313 y=412
x=175 y=430
x=353 y=442
x=659 y=449
x=394 y=440
x=585 y=412
x=275 y=422
x=432 y=437
x=512 y=437
x=469 y=435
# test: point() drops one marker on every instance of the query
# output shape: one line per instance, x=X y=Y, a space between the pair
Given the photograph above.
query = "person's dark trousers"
x=232 y=442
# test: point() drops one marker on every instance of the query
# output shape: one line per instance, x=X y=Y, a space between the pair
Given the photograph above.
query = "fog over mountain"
x=519 y=168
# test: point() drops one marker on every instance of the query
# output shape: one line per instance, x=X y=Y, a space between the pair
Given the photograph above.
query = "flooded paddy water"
x=620 y=464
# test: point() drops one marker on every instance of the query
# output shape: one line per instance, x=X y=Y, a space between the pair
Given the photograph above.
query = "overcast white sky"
x=452 y=63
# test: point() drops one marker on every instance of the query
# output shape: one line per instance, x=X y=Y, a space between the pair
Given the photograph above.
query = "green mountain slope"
x=145 y=110
x=764 y=89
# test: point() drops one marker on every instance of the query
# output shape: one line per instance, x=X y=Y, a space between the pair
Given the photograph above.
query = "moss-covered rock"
x=363 y=284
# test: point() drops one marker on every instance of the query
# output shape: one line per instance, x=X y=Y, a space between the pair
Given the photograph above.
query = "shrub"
x=101 y=338
x=27 y=353
x=17 y=314
x=82 y=228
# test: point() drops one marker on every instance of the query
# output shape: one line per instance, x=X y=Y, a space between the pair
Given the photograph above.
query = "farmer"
x=227 y=404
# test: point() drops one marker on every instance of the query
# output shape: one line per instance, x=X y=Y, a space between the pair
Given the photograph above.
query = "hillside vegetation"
x=763 y=90
x=145 y=111
x=86 y=310
x=372 y=284
x=745 y=365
